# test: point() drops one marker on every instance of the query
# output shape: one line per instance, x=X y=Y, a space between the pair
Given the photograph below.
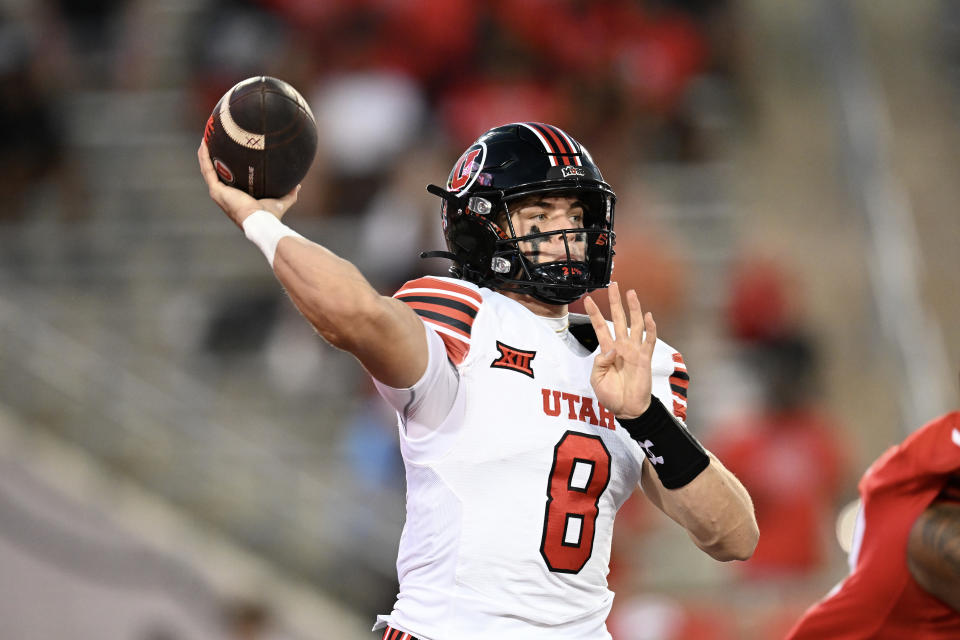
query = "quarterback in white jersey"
x=523 y=428
x=511 y=499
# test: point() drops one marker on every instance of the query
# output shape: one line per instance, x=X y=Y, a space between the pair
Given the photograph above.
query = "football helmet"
x=508 y=163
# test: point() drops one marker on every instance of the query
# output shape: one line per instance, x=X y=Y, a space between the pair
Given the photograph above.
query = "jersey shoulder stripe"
x=679 y=383
x=456 y=289
x=448 y=307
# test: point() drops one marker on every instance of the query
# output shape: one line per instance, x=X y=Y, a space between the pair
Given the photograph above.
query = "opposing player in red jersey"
x=905 y=560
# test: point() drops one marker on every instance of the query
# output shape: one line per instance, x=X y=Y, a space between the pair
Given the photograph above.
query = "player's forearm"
x=933 y=552
x=717 y=512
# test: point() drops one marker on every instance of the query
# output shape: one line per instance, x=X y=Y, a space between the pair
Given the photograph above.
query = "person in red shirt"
x=791 y=454
x=907 y=534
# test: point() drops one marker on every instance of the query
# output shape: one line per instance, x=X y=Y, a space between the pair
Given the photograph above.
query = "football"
x=262 y=137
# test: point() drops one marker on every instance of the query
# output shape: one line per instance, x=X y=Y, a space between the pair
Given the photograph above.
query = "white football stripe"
x=237 y=133
x=955 y=436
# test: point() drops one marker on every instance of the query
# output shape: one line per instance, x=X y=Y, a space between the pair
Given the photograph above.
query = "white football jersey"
x=511 y=500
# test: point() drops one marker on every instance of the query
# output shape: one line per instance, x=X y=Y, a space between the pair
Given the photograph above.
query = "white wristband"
x=264 y=229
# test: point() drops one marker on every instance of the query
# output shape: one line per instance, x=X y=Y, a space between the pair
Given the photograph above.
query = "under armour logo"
x=648 y=449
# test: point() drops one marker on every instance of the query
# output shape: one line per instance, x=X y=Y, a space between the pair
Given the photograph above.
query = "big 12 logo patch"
x=514 y=359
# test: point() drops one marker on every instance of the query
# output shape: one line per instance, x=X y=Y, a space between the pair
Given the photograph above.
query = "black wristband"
x=679 y=457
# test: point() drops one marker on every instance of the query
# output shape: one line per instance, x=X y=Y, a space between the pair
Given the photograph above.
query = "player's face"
x=542 y=213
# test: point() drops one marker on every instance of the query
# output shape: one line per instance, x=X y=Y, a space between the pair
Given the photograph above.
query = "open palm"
x=621 y=375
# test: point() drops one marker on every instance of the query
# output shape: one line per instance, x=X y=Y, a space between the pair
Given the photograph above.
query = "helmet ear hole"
x=472 y=243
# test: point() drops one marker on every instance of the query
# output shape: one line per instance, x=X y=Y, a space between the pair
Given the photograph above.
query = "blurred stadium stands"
x=141 y=335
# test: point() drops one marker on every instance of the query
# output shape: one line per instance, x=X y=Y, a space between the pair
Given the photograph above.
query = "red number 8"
x=580 y=473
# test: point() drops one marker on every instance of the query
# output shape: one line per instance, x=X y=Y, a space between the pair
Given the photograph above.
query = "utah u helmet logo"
x=468 y=167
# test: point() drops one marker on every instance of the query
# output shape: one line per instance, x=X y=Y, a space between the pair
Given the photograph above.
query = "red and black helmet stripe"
x=560 y=147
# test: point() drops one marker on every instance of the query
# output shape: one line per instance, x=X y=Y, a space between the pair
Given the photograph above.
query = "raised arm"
x=385 y=335
x=679 y=476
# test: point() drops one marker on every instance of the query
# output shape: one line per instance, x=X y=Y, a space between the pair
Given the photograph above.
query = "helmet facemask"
x=585 y=256
x=504 y=166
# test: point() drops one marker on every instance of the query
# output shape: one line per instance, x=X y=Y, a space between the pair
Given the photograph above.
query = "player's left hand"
x=237 y=204
x=621 y=375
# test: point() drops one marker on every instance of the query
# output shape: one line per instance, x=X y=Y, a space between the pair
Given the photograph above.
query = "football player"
x=905 y=561
x=523 y=428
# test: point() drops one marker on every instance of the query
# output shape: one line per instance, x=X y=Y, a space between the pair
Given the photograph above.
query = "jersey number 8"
x=580 y=473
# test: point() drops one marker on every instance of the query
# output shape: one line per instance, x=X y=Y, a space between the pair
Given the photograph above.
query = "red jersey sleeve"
x=879 y=599
x=448 y=307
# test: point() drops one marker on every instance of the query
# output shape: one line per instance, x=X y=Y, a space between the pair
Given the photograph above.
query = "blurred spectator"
x=365 y=120
x=624 y=65
x=234 y=40
x=787 y=450
x=480 y=103
x=93 y=29
x=789 y=455
x=31 y=140
x=655 y=51
x=759 y=305
x=400 y=222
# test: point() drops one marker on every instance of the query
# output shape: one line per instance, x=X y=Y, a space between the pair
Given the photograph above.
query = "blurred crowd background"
x=181 y=457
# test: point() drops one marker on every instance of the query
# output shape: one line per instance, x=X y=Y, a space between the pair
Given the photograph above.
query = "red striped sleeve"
x=428 y=282
x=679 y=383
x=449 y=308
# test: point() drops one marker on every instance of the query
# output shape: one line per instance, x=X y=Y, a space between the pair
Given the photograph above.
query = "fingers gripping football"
x=621 y=375
x=236 y=203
